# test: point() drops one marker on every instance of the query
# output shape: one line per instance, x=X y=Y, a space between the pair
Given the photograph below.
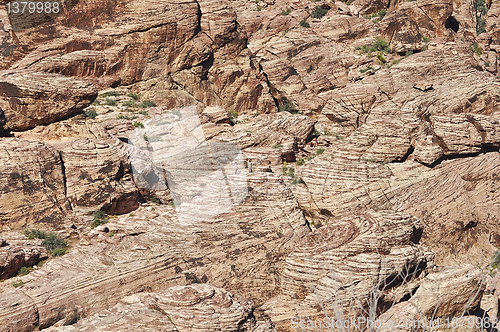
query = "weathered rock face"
x=400 y=152
x=351 y=266
x=197 y=307
x=80 y=168
x=29 y=98
x=32 y=185
x=465 y=188
x=151 y=252
x=410 y=110
x=451 y=292
x=18 y=253
x=98 y=174
x=189 y=52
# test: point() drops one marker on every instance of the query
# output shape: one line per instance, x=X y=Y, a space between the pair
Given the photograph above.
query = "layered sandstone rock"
x=197 y=307
x=18 y=253
x=442 y=298
x=30 y=98
x=33 y=184
x=151 y=252
x=351 y=266
x=184 y=52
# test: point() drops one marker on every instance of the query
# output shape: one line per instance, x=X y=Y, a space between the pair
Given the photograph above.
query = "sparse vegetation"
x=287 y=106
x=134 y=96
x=304 y=24
x=34 y=233
x=91 y=113
x=100 y=218
x=277 y=146
x=320 y=151
x=300 y=162
x=111 y=234
x=381 y=58
x=147 y=103
x=111 y=94
x=110 y=101
x=143 y=112
x=24 y=271
x=126 y=117
x=290 y=171
x=51 y=241
x=426 y=39
x=481 y=7
x=58 y=252
x=380 y=45
x=17 y=284
x=496 y=259
x=154 y=200
x=476 y=49
x=286 y=12
x=378 y=16
x=129 y=103
x=480 y=25
x=362 y=71
x=152 y=139
x=318 y=12
x=138 y=124
x=233 y=116
x=177 y=112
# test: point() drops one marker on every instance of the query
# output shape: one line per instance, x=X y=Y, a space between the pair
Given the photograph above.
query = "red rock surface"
x=371 y=129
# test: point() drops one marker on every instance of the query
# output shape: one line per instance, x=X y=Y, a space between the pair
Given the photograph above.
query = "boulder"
x=29 y=98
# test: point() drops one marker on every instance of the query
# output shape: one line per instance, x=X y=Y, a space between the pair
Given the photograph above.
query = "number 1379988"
x=24 y=7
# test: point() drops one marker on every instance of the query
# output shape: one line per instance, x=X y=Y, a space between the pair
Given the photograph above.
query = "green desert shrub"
x=111 y=94
x=304 y=24
x=110 y=101
x=287 y=106
x=286 y=12
x=100 y=218
x=379 y=46
x=496 y=259
x=91 y=113
x=17 y=284
x=319 y=12
x=480 y=25
x=476 y=49
x=54 y=244
x=134 y=96
x=147 y=103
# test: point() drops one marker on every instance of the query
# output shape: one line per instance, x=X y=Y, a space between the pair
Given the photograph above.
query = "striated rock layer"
x=197 y=307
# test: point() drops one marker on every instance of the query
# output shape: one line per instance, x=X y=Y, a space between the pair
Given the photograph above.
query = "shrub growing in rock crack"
x=319 y=12
x=54 y=244
x=91 y=113
x=304 y=24
x=100 y=218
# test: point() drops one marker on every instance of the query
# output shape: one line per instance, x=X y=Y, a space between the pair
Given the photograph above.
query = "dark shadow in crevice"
x=452 y=23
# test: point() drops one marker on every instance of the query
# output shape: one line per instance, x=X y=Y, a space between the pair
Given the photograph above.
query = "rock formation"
x=249 y=165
